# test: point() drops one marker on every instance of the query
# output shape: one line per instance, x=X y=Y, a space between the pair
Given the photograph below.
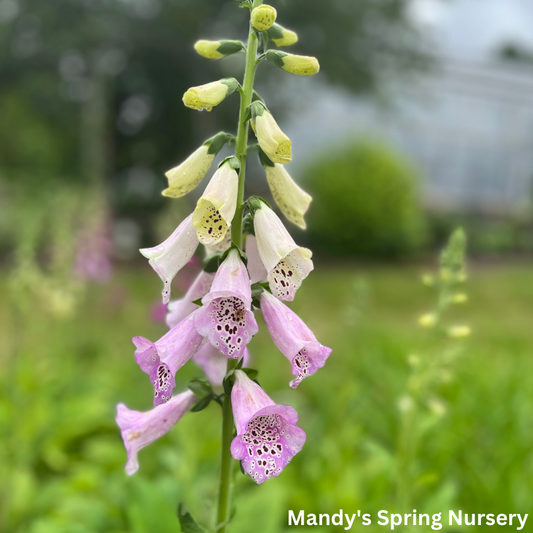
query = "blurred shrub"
x=366 y=202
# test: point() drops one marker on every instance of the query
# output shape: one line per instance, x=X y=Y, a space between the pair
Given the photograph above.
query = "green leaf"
x=187 y=522
x=200 y=405
x=200 y=387
x=211 y=263
x=228 y=382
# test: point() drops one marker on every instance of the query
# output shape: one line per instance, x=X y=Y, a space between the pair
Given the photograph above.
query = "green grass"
x=61 y=457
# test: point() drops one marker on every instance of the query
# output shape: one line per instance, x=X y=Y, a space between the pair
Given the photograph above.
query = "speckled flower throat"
x=251 y=264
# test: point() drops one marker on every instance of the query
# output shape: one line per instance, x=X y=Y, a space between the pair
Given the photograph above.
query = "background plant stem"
x=224 y=496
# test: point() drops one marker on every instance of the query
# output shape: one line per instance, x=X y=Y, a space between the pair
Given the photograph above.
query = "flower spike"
x=287 y=263
x=216 y=208
x=275 y=144
x=267 y=436
x=293 y=338
x=140 y=429
x=226 y=318
x=209 y=95
x=169 y=257
x=185 y=177
x=292 y=201
x=163 y=358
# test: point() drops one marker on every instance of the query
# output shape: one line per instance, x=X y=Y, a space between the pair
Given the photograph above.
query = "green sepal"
x=256 y=97
x=211 y=263
x=187 y=522
x=257 y=109
x=247 y=115
x=257 y=290
x=232 y=84
x=230 y=47
x=265 y=160
x=276 y=57
x=254 y=203
x=198 y=301
x=228 y=382
x=250 y=372
x=233 y=162
x=242 y=255
x=248 y=225
x=216 y=142
x=242 y=469
x=239 y=364
x=200 y=387
x=201 y=404
x=256 y=303
x=275 y=32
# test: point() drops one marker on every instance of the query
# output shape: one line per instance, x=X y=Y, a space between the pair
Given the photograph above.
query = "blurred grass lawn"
x=61 y=457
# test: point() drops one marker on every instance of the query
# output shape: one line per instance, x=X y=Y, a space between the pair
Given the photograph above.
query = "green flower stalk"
x=215 y=321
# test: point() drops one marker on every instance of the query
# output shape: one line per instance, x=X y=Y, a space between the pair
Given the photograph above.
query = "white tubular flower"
x=287 y=263
x=185 y=177
x=292 y=201
x=299 y=65
x=281 y=36
x=169 y=257
x=263 y=17
x=215 y=209
x=275 y=144
x=209 y=95
x=217 y=49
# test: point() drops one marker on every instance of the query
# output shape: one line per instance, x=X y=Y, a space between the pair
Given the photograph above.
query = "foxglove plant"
x=251 y=263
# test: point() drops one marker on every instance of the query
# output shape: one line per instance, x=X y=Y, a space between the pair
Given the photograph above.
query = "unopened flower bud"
x=427 y=321
x=275 y=144
x=459 y=298
x=459 y=332
x=209 y=95
x=300 y=65
x=263 y=17
x=217 y=49
x=281 y=36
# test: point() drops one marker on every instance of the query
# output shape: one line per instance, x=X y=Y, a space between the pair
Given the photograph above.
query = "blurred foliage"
x=95 y=86
x=366 y=202
x=62 y=459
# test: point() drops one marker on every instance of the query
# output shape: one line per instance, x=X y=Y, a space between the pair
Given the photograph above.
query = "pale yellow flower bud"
x=300 y=65
x=263 y=17
x=459 y=298
x=217 y=49
x=459 y=332
x=281 y=36
x=291 y=199
x=427 y=321
x=275 y=144
x=209 y=95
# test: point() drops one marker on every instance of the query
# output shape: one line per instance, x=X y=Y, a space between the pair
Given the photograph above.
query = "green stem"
x=224 y=495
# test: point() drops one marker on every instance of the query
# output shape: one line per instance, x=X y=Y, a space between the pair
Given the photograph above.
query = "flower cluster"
x=252 y=263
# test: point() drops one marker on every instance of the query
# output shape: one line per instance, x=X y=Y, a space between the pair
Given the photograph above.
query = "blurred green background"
x=91 y=117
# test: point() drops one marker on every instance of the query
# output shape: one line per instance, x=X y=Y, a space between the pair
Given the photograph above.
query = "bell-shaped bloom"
x=214 y=363
x=182 y=308
x=140 y=429
x=215 y=209
x=185 y=177
x=226 y=318
x=217 y=49
x=209 y=95
x=287 y=263
x=292 y=201
x=169 y=257
x=163 y=358
x=300 y=65
x=263 y=17
x=281 y=36
x=256 y=269
x=275 y=144
x=267 y=436
x=293 y=338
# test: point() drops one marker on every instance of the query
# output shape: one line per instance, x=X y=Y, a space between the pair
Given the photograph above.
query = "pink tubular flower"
x=293 y=338
x=287 y=263
x=214 y=363
x=169 y=257
x=256 y=268
x=163 y=358
x=179 y=309
x=226 y=318
x=267 y=436
x=140 y=429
